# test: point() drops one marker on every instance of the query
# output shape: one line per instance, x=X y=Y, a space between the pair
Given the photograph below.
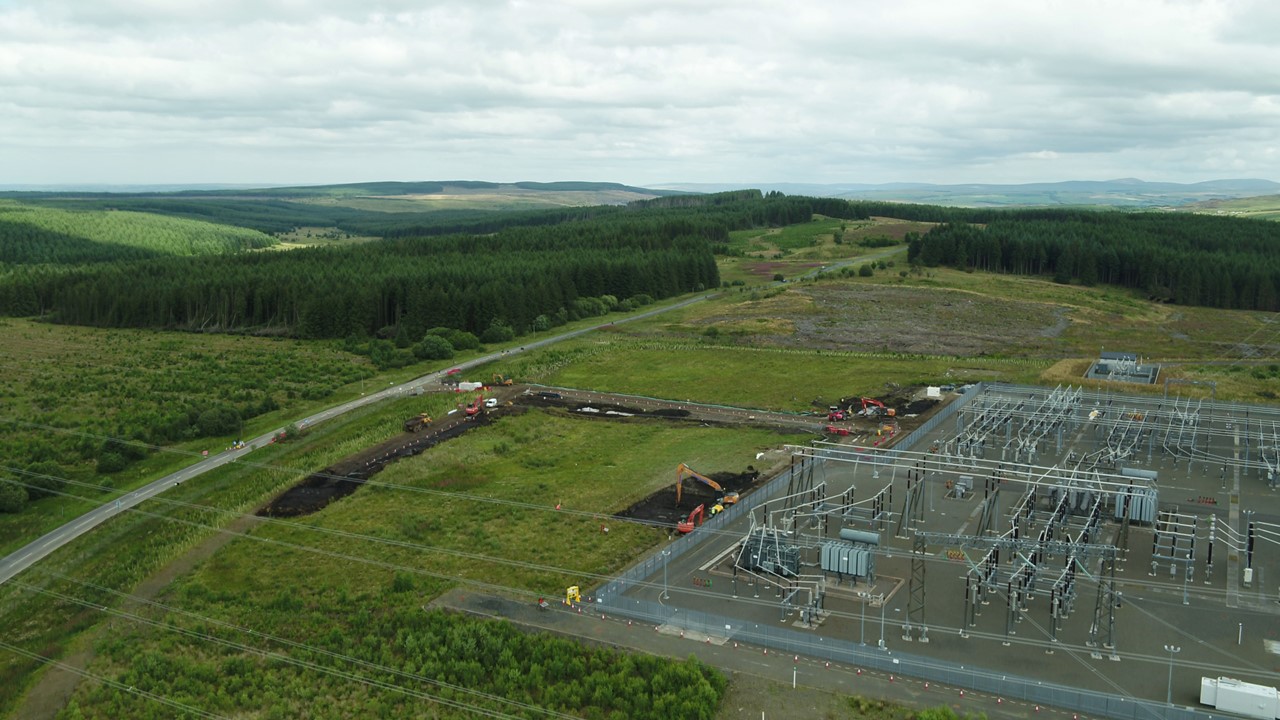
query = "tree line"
x=1173 y=257
x=523 y=271
x=465 y=282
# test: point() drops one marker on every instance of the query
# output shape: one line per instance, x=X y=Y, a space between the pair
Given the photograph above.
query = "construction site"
x=1091 y=550
x=1088 y=550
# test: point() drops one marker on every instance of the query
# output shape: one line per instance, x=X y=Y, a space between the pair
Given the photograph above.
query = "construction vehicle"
x=472 y=410
x=695 y=519
x=873 y=408
x=833 y=430
x=835 y=414
x=684 y=471
x=500 y=379
x=417 y=422
x=572 y=595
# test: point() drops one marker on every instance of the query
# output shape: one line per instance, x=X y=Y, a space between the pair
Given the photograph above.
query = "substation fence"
x=786 y=641
x=612 y=597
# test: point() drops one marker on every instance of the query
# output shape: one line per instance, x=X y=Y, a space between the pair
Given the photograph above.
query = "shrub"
x=459 y=339
x=13 y=497
x=45 y=480
x=111 y=462
x=498 y=332
x=433 y=347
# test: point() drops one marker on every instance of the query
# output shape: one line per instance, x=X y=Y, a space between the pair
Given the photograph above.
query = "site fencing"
x=612 y=597
x=870 y=656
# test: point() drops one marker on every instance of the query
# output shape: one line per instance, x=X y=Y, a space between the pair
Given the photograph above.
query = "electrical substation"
x=1064 y=536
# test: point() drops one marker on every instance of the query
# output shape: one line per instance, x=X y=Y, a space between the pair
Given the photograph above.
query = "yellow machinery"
x=572 y=595
x=417 y=422
x=500 y=379
x=684 y=471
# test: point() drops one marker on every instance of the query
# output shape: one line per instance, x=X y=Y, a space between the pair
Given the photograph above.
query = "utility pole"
x=1172 y=650
x=665 y=555
x=882 y=604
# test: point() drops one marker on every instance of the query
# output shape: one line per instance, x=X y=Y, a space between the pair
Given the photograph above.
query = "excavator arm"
x=684 y=471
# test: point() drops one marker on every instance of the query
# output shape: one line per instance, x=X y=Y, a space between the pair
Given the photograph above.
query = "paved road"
x=40 y=548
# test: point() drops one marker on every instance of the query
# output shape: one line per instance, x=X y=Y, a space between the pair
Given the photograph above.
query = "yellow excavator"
x=684 y=471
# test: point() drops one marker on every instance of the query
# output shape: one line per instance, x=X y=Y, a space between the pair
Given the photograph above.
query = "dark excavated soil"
x=661 y=506
x=346 y=476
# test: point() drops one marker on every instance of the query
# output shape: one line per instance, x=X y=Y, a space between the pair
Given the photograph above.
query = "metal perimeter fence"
x=612 y=596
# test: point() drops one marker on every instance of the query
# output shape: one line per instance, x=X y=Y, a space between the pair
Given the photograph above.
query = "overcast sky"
x=637 y=91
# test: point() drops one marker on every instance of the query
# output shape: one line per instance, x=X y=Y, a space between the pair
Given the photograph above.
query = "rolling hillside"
x=44 y=234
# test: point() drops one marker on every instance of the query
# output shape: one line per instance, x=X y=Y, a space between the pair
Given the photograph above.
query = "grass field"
x=797 y=249
x=1118 y=319
x=70 y=389
x=317 y=237
x=785 y=379
x=1262 y=207
x=908 y=330
x=291 y=580
x=158 y=233
x=505 y=198
x=123 y=552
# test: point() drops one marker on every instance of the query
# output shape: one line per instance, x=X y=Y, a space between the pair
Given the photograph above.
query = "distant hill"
x=344 y=190
x=1264 y=207
x=1126 y=192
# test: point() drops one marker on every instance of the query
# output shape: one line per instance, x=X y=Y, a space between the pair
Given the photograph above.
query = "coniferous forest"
x=1173 y=257
x=530 y=270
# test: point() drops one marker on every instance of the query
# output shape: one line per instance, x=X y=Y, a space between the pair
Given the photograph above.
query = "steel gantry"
x=1027 y=558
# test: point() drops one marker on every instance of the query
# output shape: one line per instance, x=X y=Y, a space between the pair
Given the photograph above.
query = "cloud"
x=253 y=91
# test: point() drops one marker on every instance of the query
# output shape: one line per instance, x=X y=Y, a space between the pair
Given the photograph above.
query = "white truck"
x=1242 y=698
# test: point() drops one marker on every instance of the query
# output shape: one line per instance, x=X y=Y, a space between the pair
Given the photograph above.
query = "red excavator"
x=695 y=519
x=873 y=408
x=684 y=471
x=473 y=409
